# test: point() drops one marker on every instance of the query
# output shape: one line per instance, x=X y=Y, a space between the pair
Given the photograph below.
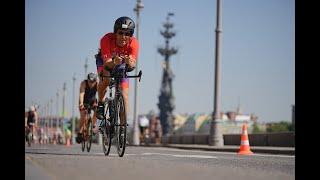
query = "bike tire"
x=121 y=138
x=29 y=139
x=89 y=131
x=83 y=143
x=106 y=137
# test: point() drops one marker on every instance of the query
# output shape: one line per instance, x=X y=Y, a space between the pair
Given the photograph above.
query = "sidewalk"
x=254 y=149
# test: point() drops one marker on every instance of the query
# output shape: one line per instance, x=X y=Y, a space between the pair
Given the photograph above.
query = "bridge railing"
x=281 y=139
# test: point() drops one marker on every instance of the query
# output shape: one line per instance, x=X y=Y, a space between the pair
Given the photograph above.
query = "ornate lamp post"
x=166 y=99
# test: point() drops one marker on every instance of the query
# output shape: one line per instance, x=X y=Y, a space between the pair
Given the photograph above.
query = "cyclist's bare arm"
x=25 y=119
x=129 y=60
x=81 y=94
x=116 y=60
x=108 y=62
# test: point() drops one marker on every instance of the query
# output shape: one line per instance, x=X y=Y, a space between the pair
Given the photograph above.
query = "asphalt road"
x=154 y=163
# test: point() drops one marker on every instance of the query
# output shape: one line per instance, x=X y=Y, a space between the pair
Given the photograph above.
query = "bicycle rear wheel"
x=120 y=110
x=89 y=135
x=106 y=136
x=29 y=137
x=83 y=142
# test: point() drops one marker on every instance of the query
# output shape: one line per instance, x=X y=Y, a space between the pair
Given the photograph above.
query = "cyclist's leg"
x=30 y=130
x=125 y=93
x=85 y=121
x=33 y=131
x=82 y=120
x=141 y=133
x=102 y=86
x=141 y=130
x=147 y=132
x=94 y=117
x=25 y=132
x=103 y=82
x=38 y=134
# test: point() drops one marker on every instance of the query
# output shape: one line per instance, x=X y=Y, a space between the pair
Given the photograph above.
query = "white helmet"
x=92 y=76
x=32 y=108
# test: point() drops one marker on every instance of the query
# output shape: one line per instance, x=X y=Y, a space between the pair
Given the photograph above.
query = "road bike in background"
x=29 y=134
x=87 y=134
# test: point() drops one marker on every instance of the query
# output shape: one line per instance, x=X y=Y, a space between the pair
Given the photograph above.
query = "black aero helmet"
x=124 y=23
x=92 y=76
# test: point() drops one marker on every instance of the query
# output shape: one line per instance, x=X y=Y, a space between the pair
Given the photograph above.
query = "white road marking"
x=112 y=154
x=273 y=155
x=180 y=155
x=223 y=153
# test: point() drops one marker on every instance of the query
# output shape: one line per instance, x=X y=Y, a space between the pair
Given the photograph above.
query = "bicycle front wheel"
x=106 y=136
x=89 y=130
x=121 y=130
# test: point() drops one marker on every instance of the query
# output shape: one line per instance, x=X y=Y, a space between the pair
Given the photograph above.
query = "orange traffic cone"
x=68 y=142
x=244 y=146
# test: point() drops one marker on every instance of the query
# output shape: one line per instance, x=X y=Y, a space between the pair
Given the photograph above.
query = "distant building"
x=243 y=118
x=197 y=123
x=231 y=115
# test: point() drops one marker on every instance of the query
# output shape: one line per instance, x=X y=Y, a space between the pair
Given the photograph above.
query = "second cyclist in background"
x=32 y=120
x=88 y=90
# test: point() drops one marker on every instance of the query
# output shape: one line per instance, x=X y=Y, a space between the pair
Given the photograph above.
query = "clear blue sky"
x=257 y=52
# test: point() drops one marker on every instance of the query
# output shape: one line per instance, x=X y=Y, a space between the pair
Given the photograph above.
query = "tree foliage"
x=255 y=128
x=280 y=127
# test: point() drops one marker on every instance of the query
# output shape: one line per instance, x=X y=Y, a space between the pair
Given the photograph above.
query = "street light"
x=57 y=108
x=136 y=140
x=51 y=117
x=216 y=138
x=63 y=99
x=85 y=68
x=47 y=114
x=73 y=119
x=57 y=103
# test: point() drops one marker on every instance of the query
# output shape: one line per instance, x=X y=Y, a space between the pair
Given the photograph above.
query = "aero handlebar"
x=135 y=76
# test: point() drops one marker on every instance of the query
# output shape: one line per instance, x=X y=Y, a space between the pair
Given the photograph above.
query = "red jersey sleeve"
x=105 y=46
x=134 y=48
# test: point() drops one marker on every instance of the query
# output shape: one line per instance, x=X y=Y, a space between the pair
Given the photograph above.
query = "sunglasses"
x=124 y=33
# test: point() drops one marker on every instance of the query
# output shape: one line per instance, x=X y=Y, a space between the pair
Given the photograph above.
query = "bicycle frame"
x=89 y=109
x=87 y=137
x=29 y=133
x=112 y=104
x=115 y=82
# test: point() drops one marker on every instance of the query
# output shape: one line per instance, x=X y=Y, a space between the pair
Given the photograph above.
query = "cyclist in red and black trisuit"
x=116 y=49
